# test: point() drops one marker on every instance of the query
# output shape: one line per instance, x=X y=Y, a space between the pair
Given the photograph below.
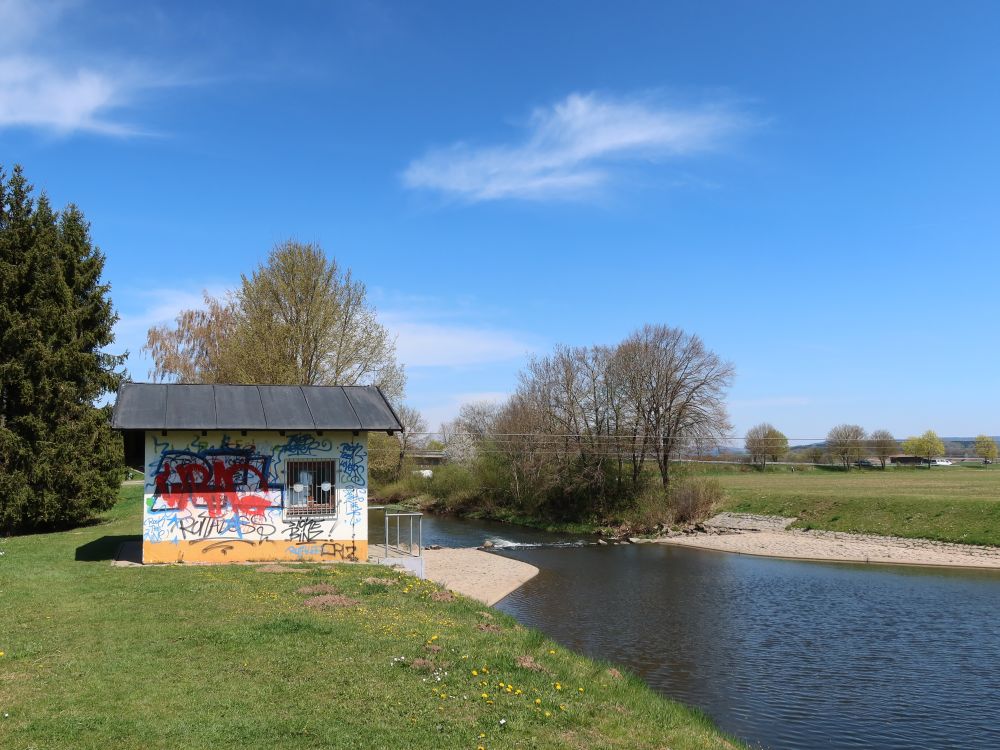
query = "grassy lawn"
x=228 y=656
x=954 y=504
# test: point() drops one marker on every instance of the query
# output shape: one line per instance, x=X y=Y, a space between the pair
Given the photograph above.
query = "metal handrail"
x=398 y=547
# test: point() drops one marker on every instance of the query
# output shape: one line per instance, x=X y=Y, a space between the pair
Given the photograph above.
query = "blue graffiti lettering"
x=352 y=463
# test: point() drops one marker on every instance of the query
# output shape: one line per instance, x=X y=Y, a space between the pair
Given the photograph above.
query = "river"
x=780 y=653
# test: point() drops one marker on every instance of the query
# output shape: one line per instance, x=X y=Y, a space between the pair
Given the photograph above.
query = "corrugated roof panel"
x=285 y=408
x=140 y=406
x=331 y=408
x=238 y=407
x=190 y=407
x=372 y=409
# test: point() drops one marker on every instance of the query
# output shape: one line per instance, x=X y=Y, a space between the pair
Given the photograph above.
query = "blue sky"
x=808 y=186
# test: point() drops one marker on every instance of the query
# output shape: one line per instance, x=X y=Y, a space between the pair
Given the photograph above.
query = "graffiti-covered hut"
x=252 y=472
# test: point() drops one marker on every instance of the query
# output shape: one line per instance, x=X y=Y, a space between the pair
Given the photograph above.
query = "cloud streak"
x=570 y=148
x=43 y=87
x=427 y=344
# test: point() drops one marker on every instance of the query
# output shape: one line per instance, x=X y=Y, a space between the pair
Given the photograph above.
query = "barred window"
x=311 y=488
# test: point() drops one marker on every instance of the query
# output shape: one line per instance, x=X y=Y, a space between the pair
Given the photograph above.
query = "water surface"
x=781 y=653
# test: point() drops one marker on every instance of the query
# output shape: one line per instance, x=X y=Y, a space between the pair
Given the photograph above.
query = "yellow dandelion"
x=552 y=650
x=548 y=713
x=475 y=673
x=580 y=689
x=538 y=701
x=484 y=696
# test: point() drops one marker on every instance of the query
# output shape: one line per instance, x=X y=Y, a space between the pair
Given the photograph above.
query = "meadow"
x=322 y=656
x=953 y=504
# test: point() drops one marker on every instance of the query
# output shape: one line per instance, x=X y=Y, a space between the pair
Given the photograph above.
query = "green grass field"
x=226 y=656
x=954 y=504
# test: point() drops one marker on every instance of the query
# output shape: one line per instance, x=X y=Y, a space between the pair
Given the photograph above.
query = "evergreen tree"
x=59 y=459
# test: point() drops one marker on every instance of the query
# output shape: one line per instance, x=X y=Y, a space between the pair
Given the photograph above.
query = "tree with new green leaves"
x=847 y=443
x=882 y=444
x=60 y=462
x=763 y=442
x=986 y=448
x=924 y=446
x=387 y=454
x=297 y=318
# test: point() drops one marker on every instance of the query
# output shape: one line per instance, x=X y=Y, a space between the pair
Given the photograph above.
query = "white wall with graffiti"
x=262 y=495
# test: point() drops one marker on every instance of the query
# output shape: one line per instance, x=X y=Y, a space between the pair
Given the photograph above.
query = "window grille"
x=311 y=488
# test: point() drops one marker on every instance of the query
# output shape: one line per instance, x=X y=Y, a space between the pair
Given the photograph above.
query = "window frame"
x=323 y=469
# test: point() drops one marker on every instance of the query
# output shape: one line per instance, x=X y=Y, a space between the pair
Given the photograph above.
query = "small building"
x=238 y=473
x=907 y=460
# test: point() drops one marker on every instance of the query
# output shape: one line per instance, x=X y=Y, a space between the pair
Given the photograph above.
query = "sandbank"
x=476 y=574
x=835 y=546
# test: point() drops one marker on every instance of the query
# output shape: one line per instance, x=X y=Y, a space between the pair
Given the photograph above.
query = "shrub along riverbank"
x=950 y=504
x=457 y=489
x=334 y=656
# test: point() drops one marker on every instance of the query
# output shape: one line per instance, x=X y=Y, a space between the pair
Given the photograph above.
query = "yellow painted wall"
x=236 y=550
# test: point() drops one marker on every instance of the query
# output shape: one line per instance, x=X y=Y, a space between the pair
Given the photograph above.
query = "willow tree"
x=297 y=318
x=59 y=460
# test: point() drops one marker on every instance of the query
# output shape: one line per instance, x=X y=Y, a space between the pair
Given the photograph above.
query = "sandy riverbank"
x=476 y=574
x=839 y=547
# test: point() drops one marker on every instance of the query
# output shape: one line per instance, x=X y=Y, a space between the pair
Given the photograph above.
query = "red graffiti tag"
x=217 y=485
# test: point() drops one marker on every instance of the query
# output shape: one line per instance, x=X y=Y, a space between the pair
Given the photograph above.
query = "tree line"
x=848 y=444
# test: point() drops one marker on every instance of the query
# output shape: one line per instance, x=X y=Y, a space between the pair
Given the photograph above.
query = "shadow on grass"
x=106 y=547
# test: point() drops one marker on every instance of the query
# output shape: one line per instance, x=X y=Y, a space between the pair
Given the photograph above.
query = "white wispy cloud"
x=438 y=412
x=422 y=343
x=43 y=86
x=570 y=148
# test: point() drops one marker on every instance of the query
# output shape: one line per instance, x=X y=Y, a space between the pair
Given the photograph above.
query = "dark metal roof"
x=178 y=406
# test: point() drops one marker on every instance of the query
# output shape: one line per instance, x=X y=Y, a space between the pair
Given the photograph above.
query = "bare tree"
x=573 y=439
x=847 y=443
x=765 y=441
x=413 y=434
x=296 y=319
x=678 y=387
x=813 y=454
x=882 y=445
